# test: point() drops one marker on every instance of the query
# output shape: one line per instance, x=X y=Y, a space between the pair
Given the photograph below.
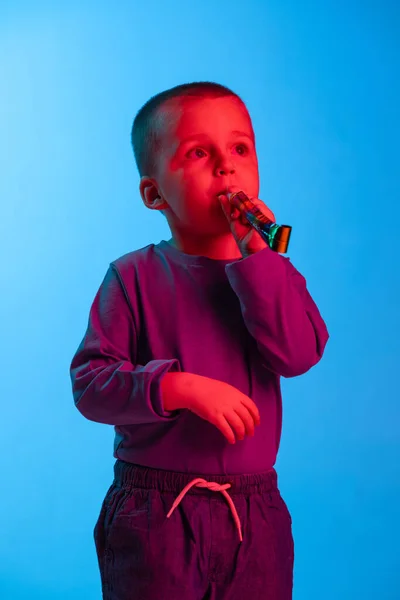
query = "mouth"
x=227 y=191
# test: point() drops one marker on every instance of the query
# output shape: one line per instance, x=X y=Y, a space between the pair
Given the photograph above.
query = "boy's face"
x=192 y=172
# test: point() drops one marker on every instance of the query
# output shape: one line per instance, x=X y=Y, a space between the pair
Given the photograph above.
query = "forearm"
x=175 y=390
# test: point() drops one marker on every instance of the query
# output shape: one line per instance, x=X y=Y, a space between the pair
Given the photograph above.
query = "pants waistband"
x=130 y=475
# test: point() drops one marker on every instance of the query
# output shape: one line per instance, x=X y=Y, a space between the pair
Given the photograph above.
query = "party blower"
x=276 y=236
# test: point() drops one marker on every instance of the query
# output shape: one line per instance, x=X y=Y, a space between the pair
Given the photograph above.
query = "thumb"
x=229 y=210
x=223 y=201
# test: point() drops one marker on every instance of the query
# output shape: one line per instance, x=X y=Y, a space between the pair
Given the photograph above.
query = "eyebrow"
x=198 y=136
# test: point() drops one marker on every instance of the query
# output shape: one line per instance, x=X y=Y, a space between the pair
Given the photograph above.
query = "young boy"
x=186 y=343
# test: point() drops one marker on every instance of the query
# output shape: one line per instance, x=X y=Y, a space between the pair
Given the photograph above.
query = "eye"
x=195 y=149
x=201 y=150
x=242 y=146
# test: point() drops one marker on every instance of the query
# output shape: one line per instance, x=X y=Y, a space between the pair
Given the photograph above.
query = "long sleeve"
x=279 y=312
x=108 y=386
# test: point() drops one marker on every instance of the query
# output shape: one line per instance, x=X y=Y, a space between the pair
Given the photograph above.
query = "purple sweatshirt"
x=158 y=310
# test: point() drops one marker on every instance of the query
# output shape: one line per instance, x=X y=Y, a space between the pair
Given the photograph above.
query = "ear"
x=150 y=195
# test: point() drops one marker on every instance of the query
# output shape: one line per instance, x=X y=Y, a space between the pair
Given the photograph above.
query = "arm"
x=108 y=384
x=279 y=312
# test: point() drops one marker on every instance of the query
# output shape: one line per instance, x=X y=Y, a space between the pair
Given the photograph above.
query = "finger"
x=226 y=429
x=253 y=409
x=263 y=208
x=247 y=419
x=236 y=421
x=223 y=200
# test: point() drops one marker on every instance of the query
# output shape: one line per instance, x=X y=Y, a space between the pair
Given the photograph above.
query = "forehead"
x=210 y=116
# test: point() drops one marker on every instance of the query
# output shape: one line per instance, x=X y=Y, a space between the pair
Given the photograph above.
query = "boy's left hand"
x=247 y=238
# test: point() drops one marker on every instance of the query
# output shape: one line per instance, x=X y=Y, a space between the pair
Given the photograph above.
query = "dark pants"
x=196 y=553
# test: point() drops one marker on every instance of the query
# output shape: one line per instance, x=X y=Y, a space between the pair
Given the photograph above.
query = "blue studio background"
x=321 y=83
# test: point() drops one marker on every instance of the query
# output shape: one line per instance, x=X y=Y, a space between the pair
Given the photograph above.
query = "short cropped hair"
x=147 y=129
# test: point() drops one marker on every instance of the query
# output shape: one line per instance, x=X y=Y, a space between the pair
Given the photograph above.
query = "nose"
x=225 y=168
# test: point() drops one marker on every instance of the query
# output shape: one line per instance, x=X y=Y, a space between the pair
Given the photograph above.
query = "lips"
x=228 y=190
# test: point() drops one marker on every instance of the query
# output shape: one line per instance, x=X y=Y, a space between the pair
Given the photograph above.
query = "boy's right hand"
x=222 y=405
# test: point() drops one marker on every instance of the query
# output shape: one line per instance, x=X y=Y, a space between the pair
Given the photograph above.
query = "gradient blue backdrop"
x=321 y=80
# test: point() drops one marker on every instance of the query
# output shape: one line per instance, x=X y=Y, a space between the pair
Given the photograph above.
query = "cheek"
x=174 y=188
x=182 y=181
